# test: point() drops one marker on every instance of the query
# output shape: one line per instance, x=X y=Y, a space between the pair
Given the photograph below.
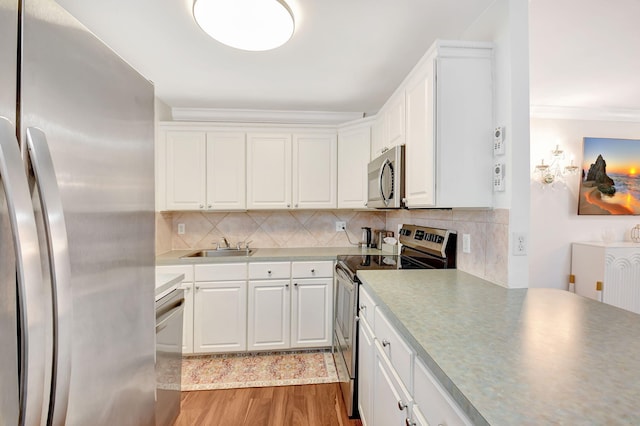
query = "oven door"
x=344 y=345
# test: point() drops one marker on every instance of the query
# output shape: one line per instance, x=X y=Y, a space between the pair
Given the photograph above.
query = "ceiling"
x=351 y=55
x=585 y=54
x=345 y=56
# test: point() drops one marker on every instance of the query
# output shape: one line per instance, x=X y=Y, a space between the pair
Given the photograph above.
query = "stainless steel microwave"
x=386 y=179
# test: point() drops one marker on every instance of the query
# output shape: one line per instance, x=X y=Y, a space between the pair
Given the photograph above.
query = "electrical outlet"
x=466 y=243
x=498 y=177
x=340 y=225
x=519 y=244
x=181 y=229
x=498 y=141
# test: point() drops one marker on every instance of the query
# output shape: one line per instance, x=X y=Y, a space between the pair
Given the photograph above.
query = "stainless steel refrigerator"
x=77 y=321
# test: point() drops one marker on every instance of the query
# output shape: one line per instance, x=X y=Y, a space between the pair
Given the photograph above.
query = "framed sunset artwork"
x=610 y=183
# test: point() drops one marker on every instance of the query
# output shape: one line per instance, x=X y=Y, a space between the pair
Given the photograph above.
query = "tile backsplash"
x=488 y=229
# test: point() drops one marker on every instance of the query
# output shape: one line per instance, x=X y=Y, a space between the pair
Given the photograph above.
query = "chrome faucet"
x=223 y=244
x=246 y=244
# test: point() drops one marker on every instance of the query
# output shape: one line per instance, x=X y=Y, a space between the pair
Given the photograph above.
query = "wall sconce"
x=549 y=174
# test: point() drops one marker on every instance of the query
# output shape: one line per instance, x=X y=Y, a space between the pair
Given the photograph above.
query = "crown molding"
x=263 y=116
x=582 y=113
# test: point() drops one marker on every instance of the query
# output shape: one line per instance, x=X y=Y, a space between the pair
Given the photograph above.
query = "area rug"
x=257 y=370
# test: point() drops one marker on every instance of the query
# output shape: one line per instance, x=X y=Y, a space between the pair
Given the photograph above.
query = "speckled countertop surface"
x=517 y=357
x=174 y=257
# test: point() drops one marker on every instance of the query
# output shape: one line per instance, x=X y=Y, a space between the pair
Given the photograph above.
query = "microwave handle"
x=385 y=200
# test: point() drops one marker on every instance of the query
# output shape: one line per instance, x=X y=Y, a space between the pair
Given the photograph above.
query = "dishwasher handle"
x=163 y=317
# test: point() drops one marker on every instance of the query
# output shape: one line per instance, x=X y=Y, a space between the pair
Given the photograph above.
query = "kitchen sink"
x=221 y=253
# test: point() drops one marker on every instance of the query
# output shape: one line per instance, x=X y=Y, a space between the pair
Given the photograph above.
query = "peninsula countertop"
x=517 y=356
x=175 y=257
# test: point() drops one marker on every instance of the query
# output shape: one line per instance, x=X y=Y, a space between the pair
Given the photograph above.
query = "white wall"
x=554 y=219
x=506 y=23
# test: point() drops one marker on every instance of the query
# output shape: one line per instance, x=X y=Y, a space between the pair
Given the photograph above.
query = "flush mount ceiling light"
x=254 y=25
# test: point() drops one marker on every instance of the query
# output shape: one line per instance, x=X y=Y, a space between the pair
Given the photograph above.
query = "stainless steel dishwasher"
x=169 y=312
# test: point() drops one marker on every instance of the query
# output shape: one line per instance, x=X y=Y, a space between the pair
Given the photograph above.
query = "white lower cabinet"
x=394 y=386
x=365 y=367
x=312 y=304
x=391 y=399
x=220 y=308
x=269 y=319
x=433 y=401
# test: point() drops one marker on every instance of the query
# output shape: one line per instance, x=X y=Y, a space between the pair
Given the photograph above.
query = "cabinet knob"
x=288 y=205
x=296 y=206
x=202 y=206
x=401 y=405
x=286 y=285
x=363 y=307
x=209 y=206
x=313 y=271
x=269 y=272
x=295 y=284
x=365 y=204
x=410 y=422
x=385 y=343
x=197 y=287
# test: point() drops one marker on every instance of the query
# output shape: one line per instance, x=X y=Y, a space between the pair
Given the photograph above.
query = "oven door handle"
x=344 y=273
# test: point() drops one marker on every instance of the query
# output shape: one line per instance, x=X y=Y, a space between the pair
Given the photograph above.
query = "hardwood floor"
x=303 y=405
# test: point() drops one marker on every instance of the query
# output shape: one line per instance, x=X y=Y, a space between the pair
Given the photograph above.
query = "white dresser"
x=609 y=272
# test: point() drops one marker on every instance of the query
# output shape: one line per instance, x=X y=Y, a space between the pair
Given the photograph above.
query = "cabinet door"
x=311 y=313
x=187 y=329
x=269 y=315
x=365 y=372
x=587 y=265
x=395 y=120
x=220 y=316
x=315 y=171
x=353 y=157
x=186 y=170
x=268 y=171
x=226 y=177
x=433 y=401
x=377 y=136
x=420 y=147
x=390 y=399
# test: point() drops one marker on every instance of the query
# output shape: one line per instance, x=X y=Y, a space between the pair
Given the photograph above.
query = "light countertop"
x=517 y=356
x=174 y=257
x=166 y=283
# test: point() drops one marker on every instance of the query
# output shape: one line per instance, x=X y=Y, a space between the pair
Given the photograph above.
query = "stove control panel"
x=424 y=238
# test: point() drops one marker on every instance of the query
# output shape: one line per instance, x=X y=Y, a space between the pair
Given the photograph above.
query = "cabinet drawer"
x=312 y=269
x=366 y=306
x=187 y=270
x=398 y=351
x=221 y=272
x=269 y=270
x=434 y=401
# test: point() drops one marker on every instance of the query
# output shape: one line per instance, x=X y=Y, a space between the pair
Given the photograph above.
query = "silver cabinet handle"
x=31 y=302
x=385 y=342
x=410 y=422
x=202 y=206
x=209 y=206
x=60 y=265
x=401 y=405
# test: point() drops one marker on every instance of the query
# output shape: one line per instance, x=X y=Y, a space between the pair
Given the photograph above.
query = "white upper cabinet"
x=186 y=170
x=297 y=170
x=389 y=128
x=205 y=170
x=315 y=174
x=269 y=170
x=353 y=156
x=449 y=157
x=226 y=176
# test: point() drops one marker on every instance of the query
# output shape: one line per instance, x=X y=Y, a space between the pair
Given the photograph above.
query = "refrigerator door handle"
x=60 y=266
x=31 y=292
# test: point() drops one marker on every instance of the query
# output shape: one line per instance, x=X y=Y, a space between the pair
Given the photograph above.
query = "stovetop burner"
x=422 y=248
